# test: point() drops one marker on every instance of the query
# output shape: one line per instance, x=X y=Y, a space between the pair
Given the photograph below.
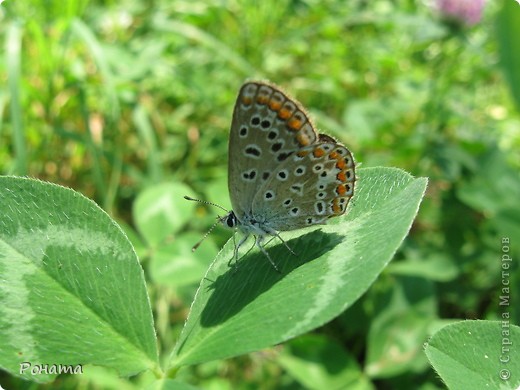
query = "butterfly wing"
x=267 y=129
x=312 y=185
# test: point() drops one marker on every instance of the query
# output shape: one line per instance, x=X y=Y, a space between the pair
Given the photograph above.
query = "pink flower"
x=468 y=12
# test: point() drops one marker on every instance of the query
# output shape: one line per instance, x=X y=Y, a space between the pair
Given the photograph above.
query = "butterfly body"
x=282 y=175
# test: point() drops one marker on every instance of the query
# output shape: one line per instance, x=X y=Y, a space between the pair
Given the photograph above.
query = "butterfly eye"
x=230 y=220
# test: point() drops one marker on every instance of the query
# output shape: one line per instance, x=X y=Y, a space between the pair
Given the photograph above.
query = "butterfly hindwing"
x=314 y=184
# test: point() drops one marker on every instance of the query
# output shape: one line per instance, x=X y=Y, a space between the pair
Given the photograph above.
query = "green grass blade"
x=13 y=53
x=85 y=33
x=220 y=48
x=508 y=31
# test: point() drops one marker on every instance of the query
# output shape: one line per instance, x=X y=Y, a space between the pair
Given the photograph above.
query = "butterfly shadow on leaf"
x=235 y=289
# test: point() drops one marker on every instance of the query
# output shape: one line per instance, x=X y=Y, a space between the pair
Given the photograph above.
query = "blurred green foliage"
x=115 y=99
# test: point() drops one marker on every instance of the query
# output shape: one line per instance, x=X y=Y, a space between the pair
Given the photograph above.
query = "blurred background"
x=130 y=103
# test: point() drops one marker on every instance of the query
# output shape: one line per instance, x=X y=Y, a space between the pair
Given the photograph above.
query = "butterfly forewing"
x=267 y=128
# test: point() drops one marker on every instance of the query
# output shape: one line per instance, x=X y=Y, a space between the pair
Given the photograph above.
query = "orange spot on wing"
x=262 y=99
x=318 y=152
x=341 y=164
x=336 y=207
x=303 y=140
x=341 y=177
x=333 y=155
x=302 y=153
x=275 y=105
x=247 y=100
x=284 y=113
x=294 y=124
x=341 y=189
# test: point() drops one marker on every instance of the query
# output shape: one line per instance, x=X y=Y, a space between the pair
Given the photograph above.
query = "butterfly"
x=282 y=174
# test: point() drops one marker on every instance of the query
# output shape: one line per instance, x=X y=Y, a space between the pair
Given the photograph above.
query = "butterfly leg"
x=235 y=252
x=259 y=240
x=275 y=233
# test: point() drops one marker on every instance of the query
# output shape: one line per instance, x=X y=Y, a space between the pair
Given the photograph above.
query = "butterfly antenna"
x=194 y=248
x=206 y=202
x=219 y=220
